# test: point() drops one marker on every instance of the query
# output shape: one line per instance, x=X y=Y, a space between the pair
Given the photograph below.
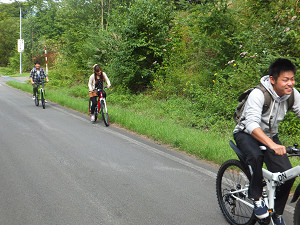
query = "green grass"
x=9 y=72
x=204 y=144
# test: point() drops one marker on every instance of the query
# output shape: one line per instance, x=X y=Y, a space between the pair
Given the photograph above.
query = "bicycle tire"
x=90 y=104
x=43 y=99
x=297 y=213
x=104 y=113
x=36 y=100
x=96 y=113
x=233 y=176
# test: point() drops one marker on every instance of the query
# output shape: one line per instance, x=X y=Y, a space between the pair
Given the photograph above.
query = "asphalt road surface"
x=56 y=167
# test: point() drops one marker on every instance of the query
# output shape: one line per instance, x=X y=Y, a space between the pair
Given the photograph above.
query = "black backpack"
x=243 y=98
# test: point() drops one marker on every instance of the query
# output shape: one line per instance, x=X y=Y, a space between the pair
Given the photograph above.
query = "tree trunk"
x=102 y=13
x=108 y=9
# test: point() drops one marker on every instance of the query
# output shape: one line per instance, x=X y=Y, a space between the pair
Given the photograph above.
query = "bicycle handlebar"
x=289 y=150
x=41 y=82
x=98 y=89
x=293 y=149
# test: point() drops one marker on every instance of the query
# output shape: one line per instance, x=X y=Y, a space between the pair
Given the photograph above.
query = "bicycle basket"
x=92 y=94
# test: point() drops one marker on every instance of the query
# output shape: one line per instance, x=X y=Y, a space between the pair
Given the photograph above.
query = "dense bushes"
x=204 y=53
x=141 y=44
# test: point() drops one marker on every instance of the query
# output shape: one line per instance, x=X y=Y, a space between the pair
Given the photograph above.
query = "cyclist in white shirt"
x=96 y=81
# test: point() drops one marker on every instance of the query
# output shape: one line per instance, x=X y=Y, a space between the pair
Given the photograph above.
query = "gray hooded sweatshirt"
x=276 y=112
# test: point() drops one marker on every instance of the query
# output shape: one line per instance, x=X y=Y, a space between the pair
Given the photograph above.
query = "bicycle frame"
x=41 y=87
x=101 y=98
x=273 y=180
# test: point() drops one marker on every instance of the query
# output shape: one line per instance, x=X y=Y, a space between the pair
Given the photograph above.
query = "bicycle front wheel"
x=43 y=99
x=232 y=193
x=96 y=113
x=104 y=113
x=36 y=100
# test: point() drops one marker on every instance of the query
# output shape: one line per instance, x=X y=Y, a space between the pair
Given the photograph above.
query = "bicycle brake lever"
x=291 y=150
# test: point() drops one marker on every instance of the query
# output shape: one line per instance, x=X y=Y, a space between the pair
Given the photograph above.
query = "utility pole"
x=20 y=41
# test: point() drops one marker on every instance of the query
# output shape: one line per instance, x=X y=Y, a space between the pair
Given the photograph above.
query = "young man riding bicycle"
x=37 y=75
x=258 y=128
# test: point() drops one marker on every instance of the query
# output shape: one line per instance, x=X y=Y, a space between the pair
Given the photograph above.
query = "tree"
x=142 y=43
x=9 y=30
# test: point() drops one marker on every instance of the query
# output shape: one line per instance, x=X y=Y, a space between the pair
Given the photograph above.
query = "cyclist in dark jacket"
x=37 y=75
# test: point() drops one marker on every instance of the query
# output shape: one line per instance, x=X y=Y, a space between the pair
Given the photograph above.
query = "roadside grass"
x=203 y=144
x=9 y=72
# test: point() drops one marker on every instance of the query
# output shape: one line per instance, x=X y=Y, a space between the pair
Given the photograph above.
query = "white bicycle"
x=232 y=186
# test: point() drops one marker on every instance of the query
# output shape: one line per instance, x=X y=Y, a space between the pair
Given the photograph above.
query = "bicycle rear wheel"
x=43 y=99
x=232 y=193
x=104 y=113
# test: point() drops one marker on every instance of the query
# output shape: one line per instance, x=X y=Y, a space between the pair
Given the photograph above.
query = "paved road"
x=58 y=168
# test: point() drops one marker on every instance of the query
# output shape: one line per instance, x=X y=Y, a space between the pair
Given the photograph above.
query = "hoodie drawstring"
x=270 y=118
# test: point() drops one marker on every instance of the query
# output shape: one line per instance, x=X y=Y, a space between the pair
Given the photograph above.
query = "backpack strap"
x=291 y=100
x=267 y=97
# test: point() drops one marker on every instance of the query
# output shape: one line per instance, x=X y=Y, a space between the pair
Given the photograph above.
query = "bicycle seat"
x=238 y=152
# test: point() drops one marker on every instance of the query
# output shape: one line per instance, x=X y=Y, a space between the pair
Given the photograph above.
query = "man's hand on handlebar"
x=278 y=149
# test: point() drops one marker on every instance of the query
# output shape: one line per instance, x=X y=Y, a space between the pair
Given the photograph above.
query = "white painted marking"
x=213 y=175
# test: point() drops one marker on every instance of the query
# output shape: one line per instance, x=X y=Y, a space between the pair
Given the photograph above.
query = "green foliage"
x=79 y=91
x=201 y=53
x=9 y=30
x=8 y=45
x=200 y=42
x=259 y=6
x=290 y=125
x=6 y=71
x=142 y=43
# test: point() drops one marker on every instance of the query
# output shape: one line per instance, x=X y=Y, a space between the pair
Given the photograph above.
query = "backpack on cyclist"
x=244 y=96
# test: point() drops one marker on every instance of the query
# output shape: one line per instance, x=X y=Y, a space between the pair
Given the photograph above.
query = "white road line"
x=166 y=155
x=213 y=175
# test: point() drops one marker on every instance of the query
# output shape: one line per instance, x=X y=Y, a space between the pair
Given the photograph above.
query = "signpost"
x=21 y=45
x=46 y=60
x=20 y=41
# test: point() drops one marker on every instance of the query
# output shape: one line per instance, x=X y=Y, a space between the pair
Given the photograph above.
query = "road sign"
x=21 y=45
